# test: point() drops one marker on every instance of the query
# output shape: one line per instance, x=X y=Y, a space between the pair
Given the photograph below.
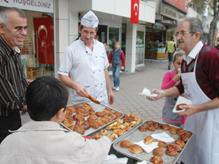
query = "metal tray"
x=136 y=136
x=110 y=131
x=97 y=108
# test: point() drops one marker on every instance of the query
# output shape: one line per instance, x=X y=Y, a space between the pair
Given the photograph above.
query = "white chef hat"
x=89 y=20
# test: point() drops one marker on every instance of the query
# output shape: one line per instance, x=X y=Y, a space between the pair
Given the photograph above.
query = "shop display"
x=170 y=142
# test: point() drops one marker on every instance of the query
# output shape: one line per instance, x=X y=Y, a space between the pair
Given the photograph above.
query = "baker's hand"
x=189 y=110
x=23 y=109
x=156 y=94
x=110 y=97
x=81 y=91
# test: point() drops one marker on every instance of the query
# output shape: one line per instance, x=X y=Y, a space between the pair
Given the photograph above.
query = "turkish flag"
x=134 y=19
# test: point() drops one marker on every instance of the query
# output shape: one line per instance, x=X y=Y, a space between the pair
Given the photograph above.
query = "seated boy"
x=43 y=140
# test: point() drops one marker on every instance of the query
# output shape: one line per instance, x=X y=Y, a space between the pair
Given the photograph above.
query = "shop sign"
x=170 y=12
x=33 y=5
x=179 y=4
x=134 y=18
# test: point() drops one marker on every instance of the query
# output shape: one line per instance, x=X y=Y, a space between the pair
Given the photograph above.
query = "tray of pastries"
x=119 y=127
x=144 y=144
x=87 y=118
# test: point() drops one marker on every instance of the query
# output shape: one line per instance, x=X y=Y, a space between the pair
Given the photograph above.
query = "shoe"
x=117 y=89
x=114 y=88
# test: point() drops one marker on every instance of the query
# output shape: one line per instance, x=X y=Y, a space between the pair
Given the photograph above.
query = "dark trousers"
x=11 y=122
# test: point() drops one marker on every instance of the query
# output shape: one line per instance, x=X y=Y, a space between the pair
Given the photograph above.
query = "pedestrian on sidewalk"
x=83 y=67
x=170 y=49
x=200 y=83
x=117 y=58
x=170 y=79
x=43 y=140
x=13 y=31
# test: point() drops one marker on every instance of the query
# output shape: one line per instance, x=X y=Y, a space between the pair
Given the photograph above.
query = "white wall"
x=122 y=8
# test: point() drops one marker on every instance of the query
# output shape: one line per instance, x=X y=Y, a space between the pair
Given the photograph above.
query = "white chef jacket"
x=45 y=142
x=86 y=67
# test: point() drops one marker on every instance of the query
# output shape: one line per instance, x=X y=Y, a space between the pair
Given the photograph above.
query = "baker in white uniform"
x=200 y=83
x=83 y=67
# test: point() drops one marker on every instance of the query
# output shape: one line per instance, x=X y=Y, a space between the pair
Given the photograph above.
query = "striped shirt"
x=12 y=81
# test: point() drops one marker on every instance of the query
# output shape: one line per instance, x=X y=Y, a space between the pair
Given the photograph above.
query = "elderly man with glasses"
x=200 y=83
x=13 y=31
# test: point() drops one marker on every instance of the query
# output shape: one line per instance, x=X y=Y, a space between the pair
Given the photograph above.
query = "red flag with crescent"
x=134 y=19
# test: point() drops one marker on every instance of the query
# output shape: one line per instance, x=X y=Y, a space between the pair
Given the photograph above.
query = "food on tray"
x=125 y=143
x=156 y=160
x=104 y=132
x=97 y=136
x=173 y=130
x=135 y=149
x=162 y=144
x=180 y=143
x=172 y=149
x=185 y=136
x=79 y=128
x=150 y=125
x=113 y=136
x=81 y=117
x=148 y=140
x=165 y=127
x=159 y=151
x=146 y=131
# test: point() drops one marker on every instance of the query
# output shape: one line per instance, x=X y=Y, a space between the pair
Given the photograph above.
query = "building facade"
x=54 y=24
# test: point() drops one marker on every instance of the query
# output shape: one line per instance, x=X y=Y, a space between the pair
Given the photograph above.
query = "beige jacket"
x=45 y=142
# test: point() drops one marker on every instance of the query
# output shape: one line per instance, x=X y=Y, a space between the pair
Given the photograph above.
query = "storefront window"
x=38 y=49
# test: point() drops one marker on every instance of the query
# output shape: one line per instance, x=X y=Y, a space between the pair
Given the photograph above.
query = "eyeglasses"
x=183 y=33
x=21 y=28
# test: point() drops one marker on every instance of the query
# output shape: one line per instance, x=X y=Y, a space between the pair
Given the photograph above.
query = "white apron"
x=204 y=145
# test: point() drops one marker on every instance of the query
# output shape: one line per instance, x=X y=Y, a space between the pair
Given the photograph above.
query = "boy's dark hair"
x=45 y=96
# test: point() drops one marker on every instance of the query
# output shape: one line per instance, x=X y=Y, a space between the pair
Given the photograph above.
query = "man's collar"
x=194 y=52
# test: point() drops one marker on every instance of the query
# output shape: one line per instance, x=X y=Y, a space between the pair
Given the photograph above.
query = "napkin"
x=181 y=100
x=147 y=147
x=163 y=136
x=147 y=92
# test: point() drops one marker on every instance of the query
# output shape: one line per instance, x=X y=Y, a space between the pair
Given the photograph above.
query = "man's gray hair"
x=195 y=25
x=4 y=14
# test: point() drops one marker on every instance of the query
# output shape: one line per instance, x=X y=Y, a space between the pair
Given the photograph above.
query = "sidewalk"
x=127 y=99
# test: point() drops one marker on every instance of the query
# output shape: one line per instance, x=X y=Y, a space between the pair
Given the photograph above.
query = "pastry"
x=156 y=160
x=68 y=123
x=162 y=144
x=119 y=132
x=148 y=140
x=80 y=129
x=97 y=136
x=173 y=130
x=165 y=127
x=104 y=132
x=172 y=149
x=100 y=114
x=125 y=143
x=113 y=136
x=159 y=151
x=180 y=143
x=135 y=149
